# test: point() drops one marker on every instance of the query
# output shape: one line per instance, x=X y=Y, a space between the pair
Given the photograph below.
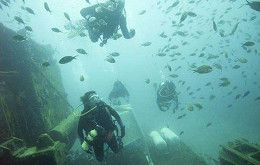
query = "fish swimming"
x=110 y=59
x=146 y=44
x=28 y=28
x=203 y=69
x=255 y=5
x=209 y=124
x=246 y=93
x=81 y=51
x=45 y=64
x=215 y=26
x=67 y=16
x=19 y=20
x=183 y=16
x=56 y=30
x=29 y=10
x=46 y=6
x=66 y=59
x=19 y=38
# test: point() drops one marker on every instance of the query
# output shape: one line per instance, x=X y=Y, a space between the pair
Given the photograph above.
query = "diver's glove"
x=100 y=130
x=122 y=131
x=132 y=33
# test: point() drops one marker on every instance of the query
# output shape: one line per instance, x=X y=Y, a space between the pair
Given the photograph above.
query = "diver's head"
x=90 y=98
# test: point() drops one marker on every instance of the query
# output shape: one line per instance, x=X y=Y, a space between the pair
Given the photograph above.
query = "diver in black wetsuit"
x=105 y=19
x=167 y=97
x=118 y=91
x=96 y=121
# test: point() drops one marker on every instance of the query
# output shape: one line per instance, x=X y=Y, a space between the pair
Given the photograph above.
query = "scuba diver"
x=118 y=91
x=167 y=96
x=96 y=121
x=105 y=19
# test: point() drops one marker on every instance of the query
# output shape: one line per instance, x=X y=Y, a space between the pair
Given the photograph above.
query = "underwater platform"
x=240 y=152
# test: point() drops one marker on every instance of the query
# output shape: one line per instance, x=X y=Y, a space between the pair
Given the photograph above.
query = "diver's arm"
x=126 y=33
x=80 y=131
x=116 y=116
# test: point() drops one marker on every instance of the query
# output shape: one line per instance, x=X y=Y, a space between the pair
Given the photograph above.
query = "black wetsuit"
x=114 y=19
x=118 y=90
x=96 y=119
x=166 y=96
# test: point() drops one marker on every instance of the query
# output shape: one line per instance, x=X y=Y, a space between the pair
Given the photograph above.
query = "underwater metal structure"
x=35 y=118
x=240 y=152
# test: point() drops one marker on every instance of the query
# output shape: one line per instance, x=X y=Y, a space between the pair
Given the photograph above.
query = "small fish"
x=115 y=54
x=215 y=26
x=147 y=81
x=87 y=1
x=199 y=106
x=45 y=64
x=46 y=6
x=209 y=124
x=142 y=12
x=67 y=59
x=238 y=96
x=168 y=67
x=242 y=60
x=258 y=98
x=252 y=18
x=183 y=17
x=190 y=107
x=67 y=16
x=212 y=97
x=255 y=5
x=146 y=44
x=174 y=75
x=81 y=51
x=249 y=43
x=28 y=28
x=217 y=65
x=204 y=69
x=246 y=94
x=29 y=10
x=236 y=67
x=56 y=30
x=234 y=29
x=19 y=20
x=191 y=14
x=110 y=59
x=181 y=133
x=81 y=78
x=161 y=54
x=4 y=3
x=19 y=38
x=163 y=35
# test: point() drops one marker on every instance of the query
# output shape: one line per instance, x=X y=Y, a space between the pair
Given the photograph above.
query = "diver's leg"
x=99 y=151
x=113 y=144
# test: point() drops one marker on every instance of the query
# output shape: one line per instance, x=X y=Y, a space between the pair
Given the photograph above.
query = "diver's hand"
x=122 y=131
x=132 y=33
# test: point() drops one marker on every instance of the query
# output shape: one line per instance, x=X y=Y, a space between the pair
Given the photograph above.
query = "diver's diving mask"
x=94 y=99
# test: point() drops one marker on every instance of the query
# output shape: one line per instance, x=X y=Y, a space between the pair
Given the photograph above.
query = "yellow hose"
x=79 y=115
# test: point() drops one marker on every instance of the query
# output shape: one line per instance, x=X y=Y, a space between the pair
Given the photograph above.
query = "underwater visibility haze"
x=209 y=50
